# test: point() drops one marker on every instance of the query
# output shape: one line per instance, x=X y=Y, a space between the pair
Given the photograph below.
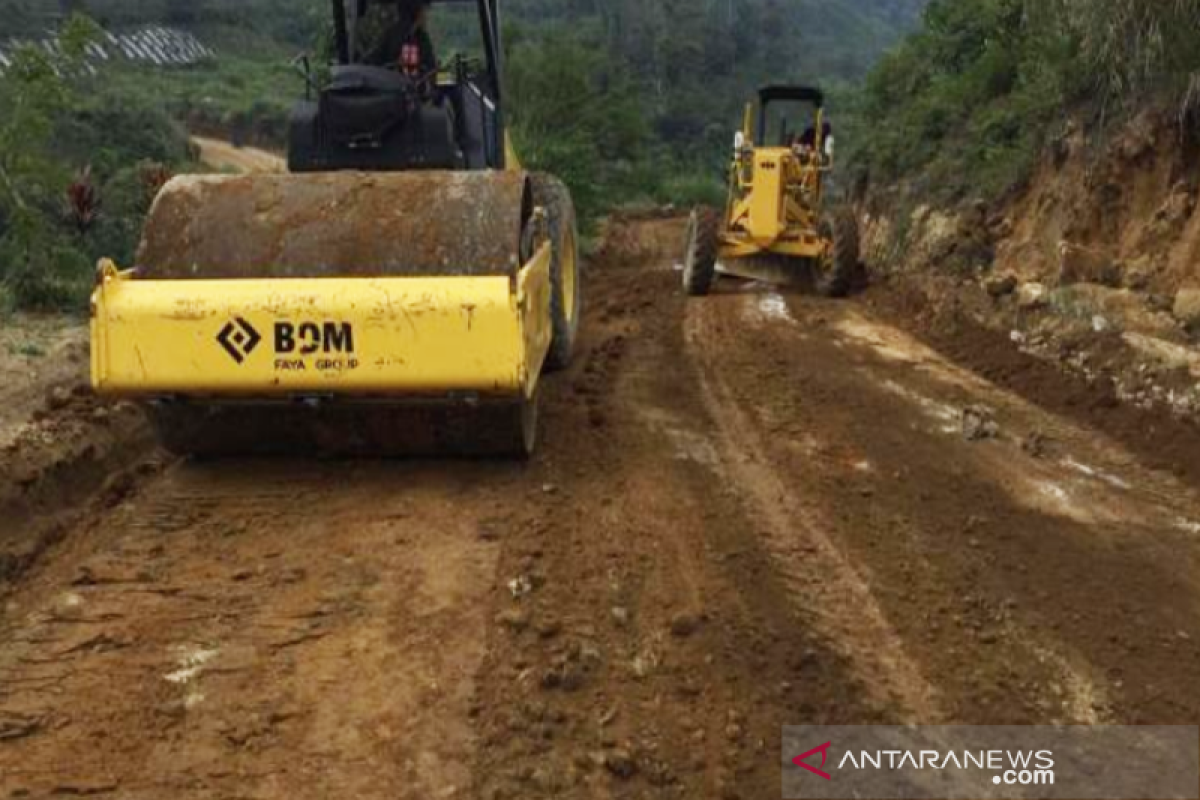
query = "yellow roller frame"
x=423 y=336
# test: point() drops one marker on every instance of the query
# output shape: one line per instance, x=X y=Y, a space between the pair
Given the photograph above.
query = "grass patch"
x=30 y=350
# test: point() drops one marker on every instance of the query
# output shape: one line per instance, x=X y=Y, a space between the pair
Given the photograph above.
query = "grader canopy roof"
x=798 y=94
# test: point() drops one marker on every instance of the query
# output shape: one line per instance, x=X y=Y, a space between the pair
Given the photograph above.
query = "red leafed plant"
x=154 y=177
x=83 y=201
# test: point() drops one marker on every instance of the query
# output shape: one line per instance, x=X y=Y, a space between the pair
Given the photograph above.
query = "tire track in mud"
x=836 y=592
x=658 y=654
x=748 y=511
x=1028 y=573
x=255 y=630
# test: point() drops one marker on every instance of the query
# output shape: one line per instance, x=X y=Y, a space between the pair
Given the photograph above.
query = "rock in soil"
x=1031 y=295
x=978 y=423
x=621 y=764
x=1187 y=308
x=1000 y=285
x=684 y=625
x=1078 y=264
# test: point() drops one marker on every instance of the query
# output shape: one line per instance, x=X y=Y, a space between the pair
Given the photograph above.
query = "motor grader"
x=399 y=291
x=775 y=226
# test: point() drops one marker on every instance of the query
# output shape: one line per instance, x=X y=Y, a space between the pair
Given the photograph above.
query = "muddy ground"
x=750 y=510
x=40 y=356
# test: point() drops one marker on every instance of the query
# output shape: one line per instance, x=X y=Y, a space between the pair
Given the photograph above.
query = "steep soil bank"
x=1119 y=210
x=39 y=355
x=960 y=321
x=59 y=445
x=1094 y=266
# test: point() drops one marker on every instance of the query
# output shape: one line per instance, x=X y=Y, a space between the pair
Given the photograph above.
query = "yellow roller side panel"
x=512 y=162
x=358 y=336
x=533 y=298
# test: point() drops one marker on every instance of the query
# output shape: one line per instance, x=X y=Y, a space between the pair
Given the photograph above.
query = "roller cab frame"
x=374 y=117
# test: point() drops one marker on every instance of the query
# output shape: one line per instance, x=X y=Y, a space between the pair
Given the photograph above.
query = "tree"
x=185 y=12
x=576 y=115
x=69 y=7
x=36 y=88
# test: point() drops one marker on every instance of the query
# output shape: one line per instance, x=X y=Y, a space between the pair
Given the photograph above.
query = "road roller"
x=400 y=290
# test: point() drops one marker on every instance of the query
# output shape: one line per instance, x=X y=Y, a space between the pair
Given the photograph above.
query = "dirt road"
x=38 y=355
x=749 y=511
x=223 y=156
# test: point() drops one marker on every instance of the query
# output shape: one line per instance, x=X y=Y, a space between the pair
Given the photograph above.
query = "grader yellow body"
x=775 y=226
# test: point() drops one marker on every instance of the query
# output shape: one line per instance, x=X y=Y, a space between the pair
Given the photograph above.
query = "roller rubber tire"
x=566 y=297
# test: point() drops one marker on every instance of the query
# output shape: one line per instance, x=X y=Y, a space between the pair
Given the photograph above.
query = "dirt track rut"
x=750 y=510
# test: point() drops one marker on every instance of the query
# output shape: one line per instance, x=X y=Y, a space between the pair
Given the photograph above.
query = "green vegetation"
x=26 y=349
x=82 y=155
x=74 y=159
x=285 y=21
x=969 y=101
x=247 y=99
x=635 y=102
x=631 y=102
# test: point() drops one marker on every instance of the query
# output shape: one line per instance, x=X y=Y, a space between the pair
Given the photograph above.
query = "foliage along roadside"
x=78 y=165
x=965 y=106
x=631 y=103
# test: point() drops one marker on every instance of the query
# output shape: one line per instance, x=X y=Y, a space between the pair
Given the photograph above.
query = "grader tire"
x=566 y=297
x=842 y=270
x=700 y=256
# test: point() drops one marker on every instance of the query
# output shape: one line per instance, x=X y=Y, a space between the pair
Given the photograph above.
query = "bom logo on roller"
x=331 y=342
x=298 y=346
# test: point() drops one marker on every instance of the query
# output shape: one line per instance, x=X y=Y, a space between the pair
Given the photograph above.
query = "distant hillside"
x=841 y=36
x=631 y=102
x=902 y=14
x=827 y=38
x=971 y=99
x=287 y=21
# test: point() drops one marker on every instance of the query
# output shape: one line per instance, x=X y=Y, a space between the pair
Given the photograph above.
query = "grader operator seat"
x=770 y=96
x=812 y=147
x=380 y=118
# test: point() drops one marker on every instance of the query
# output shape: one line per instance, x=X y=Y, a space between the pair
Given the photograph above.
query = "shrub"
x=695 y=188
x=971 y=97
